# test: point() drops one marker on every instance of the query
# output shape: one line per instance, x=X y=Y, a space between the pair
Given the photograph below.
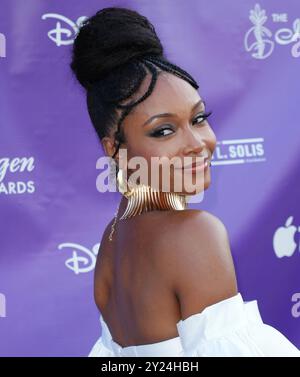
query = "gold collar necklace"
x=144 y=198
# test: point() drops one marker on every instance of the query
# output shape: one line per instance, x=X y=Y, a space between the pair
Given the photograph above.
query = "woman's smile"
x=199 y=166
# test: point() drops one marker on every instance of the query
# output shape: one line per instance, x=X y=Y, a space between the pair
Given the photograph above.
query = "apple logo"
x=283 y=239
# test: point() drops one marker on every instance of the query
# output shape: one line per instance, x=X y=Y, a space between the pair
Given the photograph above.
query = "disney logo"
x=80 y=263
x=63 y=35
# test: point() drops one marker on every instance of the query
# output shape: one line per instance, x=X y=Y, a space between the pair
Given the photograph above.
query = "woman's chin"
x=194 y=190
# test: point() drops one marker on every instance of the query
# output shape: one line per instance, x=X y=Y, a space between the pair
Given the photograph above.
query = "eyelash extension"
x=203 y=115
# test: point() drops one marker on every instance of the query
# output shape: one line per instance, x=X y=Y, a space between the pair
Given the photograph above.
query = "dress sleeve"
x=233 y=328
x=100 y=350
x=103 y=347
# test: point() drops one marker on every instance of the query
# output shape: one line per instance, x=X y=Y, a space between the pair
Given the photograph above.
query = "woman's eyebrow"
x=164 y=115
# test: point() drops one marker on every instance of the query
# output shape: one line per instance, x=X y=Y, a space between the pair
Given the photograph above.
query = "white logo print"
x=2 y=305
x=296 y=307
x=18 y=166
x=284 y=244
x=286 y=36
x=80 y=263
x=262 y=47
x=239 y=151
x=63 y=35
x=258 y=39
x=2 y=46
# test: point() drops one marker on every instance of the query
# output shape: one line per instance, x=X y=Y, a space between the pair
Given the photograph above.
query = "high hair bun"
x=109 y=39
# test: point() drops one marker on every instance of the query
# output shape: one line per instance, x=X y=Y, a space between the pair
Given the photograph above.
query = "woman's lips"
x=196 y=166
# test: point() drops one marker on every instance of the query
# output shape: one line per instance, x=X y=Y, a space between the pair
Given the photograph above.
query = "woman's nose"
x=193 y=143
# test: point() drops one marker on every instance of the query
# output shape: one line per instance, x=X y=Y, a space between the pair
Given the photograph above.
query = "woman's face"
x=170 y=124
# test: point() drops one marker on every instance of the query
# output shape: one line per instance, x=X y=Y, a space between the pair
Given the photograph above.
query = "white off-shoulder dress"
x=231 y=327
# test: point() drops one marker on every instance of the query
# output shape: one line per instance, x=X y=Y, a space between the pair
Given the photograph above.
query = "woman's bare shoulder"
x=193 y=234
x=198 y=232
x=202 y=269
x=194 y=225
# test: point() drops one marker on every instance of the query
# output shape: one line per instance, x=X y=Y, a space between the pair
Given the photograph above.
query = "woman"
x=165 y=282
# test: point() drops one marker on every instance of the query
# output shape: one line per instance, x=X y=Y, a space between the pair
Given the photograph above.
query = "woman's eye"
x=201 y=117
x=161 y=132
x=168 y=131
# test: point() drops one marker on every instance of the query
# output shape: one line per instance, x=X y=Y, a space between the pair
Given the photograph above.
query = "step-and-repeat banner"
x=245 y=55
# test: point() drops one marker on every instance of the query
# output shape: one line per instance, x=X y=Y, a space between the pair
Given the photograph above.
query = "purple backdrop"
x=246 y=59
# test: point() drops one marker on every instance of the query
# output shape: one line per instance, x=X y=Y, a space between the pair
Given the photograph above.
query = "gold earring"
x=122 y=183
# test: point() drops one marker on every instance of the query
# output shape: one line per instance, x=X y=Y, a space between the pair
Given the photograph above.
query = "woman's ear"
x=109 y=146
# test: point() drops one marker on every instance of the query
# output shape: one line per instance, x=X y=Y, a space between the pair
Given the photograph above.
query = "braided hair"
x=111 y=52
